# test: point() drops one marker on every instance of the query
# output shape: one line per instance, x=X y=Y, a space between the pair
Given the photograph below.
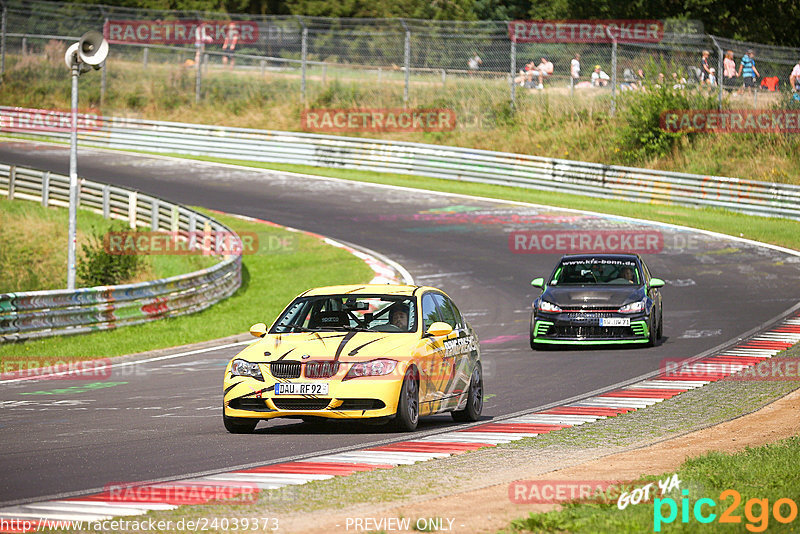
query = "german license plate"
x=297 y=388
x=615 y=321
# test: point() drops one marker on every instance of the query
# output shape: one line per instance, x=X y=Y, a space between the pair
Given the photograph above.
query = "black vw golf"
x=597 y=299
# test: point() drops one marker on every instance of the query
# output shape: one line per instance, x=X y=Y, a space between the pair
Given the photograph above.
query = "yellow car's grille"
x=301 y=404
x=321 y=369
x=285 y=369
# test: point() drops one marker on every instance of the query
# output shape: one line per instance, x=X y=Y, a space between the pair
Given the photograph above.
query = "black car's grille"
x=604 y=308
x=285 y=369
x=254 y=405
x=588 y=314
x=321 y=369
x=301 y=404
x=361 y=404
x=576 y=331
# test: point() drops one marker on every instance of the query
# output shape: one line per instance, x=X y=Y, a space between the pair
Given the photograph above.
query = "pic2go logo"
x=757 y=521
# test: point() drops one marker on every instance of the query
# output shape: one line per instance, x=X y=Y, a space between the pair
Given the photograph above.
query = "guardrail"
x=36 y=314
x=452 y=163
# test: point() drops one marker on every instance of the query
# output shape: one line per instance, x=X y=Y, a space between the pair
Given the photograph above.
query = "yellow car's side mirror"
x=258 y=330
x=439 y=329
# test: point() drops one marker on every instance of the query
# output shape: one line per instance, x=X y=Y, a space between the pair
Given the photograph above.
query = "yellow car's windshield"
x=370 y=313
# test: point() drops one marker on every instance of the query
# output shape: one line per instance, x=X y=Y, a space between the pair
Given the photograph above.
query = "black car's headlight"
x=548 y=307
x=245 y=368
x=634 y=307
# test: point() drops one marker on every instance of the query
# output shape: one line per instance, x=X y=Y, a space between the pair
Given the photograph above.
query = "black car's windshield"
x=374 y=313
x=596 y=271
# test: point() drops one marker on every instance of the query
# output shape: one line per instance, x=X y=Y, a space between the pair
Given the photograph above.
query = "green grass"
x=30 y=262
x=781 y=232
x=270 y=279
x=768 y=472
x=552 y=123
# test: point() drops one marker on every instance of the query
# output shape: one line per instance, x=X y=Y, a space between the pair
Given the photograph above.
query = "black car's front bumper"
x=584 y=328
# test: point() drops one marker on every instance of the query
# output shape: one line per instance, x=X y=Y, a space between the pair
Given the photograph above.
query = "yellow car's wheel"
x=407 y=416
x=474 y=398
x=238 y=425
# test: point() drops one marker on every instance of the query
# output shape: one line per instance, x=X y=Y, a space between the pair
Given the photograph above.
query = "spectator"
x=712 y=76
x=201 y=38
x=748 y=71
x=729 y=71
x=640 y=74
x=678 y=82
x=525 y=77
x=542 y=70
x=599 y=77
x=475 y=62
x=705 y=68
x=630 y=81
x=229 y=45
x=575 y=69
x=770 y=83
x=794 y=78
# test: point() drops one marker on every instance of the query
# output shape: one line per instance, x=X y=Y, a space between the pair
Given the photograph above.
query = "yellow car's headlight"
x=379 y=367
x=244 y=368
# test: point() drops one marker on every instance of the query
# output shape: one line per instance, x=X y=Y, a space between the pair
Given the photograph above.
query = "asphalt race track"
x=162 y=419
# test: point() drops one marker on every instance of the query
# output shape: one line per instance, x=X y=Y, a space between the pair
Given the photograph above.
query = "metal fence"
x=392 y=62
x=450 y=163
x=36 y=314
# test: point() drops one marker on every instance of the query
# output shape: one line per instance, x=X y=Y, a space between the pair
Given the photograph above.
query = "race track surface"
x=162 y=419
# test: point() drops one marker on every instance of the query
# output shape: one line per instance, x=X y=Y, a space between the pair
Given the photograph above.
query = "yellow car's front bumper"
x=358 y=398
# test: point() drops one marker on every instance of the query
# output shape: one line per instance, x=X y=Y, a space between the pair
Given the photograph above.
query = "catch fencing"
x=449 y=163
x=384 y=62
x=37 y=314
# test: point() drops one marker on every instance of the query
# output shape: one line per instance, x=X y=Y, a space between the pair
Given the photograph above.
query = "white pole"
x=73 y=180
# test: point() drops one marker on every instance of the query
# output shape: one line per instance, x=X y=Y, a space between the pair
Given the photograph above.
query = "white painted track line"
x=669 y=384
x=547 y=419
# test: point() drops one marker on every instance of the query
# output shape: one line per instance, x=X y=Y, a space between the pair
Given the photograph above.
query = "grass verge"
x=30 y=262
x=270 y=279
x=760 y=476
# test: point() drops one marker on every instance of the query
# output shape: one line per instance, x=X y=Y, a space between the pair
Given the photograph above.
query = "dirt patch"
x=485 y=506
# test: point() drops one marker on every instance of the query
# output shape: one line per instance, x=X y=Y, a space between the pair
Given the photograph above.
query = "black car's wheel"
x=474 y=398
x=651 y=338
x=660 y=331
x=534 y=345
x=238 y=425
x=407 y=416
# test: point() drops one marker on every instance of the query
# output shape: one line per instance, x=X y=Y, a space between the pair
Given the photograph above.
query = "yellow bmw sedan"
x=383 y=353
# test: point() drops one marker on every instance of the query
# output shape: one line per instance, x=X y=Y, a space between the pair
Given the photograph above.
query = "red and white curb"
x=166 y=496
